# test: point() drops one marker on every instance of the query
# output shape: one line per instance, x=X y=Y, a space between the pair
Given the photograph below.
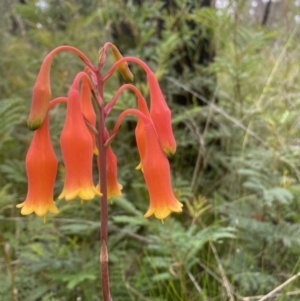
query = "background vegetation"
x=236 y=170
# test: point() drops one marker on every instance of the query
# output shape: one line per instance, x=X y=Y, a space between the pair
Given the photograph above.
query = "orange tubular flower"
x=157 y=176
x=113 y=187
x=41 y=167
x=87 y=108
x=140 y=130
x=77 y=151
x=41 y=95
x=161 y=116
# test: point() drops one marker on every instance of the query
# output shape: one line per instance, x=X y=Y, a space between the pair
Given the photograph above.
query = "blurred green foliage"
x=236 y=169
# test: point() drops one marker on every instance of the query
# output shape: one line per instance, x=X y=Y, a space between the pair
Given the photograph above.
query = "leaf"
x=282 y=195
x=132 y=220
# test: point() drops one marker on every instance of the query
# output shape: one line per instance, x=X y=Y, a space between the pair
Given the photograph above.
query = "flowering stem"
x=103 y=200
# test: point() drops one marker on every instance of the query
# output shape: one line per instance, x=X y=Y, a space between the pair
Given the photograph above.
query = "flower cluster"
x=84 y=135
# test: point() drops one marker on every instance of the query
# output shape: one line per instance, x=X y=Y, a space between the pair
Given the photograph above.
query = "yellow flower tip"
x=177 y=207
x=53 y=208
x=88 y=193
x=115 y=192
x=68 y=195
x=26 y=209
x=20 y=205
x=139 y=166
x=61 y=196
x=42 y=209
x=149 y=212
x=169 y=150
x=164 y=211
x=95 y=151
x=38 y=209
x=34 y=123
x=84 y=193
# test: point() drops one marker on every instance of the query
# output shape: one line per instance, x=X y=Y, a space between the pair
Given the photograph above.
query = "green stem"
x=9 y=268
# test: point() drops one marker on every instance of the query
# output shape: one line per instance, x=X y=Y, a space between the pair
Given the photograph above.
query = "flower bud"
x=123 y=67
x=41 y=95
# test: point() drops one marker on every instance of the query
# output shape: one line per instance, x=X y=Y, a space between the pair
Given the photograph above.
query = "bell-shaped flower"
x=156 y=170
x=41 y=95
x=113 y=187
x=41 y=168
x=87 y=108
x=77 y=151
x=161 y=115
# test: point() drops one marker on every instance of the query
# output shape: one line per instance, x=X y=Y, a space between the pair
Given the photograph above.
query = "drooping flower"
x=113 y=187
x=41 y=168
x=140 y=130
x=41 y=95
x=161 y=115
x=156 y=170
x=77 y=151
x=87 y=108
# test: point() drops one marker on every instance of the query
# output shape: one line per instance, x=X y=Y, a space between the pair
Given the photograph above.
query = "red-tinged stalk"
x=141 y=100
x=129 y=112
x=81 y=55
x=78 y=78
x=56 y=101
x=102 y=158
